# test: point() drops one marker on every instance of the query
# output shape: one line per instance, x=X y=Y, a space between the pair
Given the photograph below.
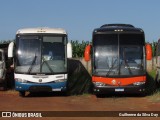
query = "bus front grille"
x=40 y=89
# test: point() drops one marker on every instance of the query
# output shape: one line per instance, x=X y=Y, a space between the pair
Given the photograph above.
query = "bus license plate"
x=119 y=90
x=57 y=89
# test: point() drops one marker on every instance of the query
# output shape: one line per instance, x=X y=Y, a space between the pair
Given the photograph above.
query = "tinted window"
x=131 y=39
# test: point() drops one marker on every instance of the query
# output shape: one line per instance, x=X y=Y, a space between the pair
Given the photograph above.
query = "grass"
x=154 y=95
x=12 y=92
x=150 y=82
x=152 y=74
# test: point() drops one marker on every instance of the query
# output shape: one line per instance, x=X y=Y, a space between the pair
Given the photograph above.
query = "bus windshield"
x=118 y=55
x=41 y=54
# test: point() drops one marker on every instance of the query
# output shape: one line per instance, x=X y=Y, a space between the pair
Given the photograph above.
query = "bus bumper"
x=43 y=87
x=119 y=89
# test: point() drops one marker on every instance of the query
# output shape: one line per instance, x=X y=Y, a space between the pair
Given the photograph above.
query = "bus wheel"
x=143 y=94
x=22 y=93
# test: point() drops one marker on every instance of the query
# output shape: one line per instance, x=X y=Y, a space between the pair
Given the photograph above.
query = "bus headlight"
x=60 y=80
x=20 y=80
x=99 y=84
x=138 y=83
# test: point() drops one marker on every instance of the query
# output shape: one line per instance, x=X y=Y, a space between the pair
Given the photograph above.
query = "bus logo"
x=113 y=81
x=40 y=80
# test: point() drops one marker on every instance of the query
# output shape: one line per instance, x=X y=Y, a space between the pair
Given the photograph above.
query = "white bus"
x=40 y=59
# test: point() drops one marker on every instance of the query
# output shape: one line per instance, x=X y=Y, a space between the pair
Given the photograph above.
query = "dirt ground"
x=10 y=101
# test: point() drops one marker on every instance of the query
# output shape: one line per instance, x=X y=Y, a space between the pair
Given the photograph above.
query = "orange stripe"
x=119 y=81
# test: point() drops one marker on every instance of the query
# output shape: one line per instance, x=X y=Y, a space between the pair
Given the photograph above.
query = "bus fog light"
x=139 y=83
x=18 y=79
x=21 y=80
x=24 y=81
x=99 y=84
x=61 y=80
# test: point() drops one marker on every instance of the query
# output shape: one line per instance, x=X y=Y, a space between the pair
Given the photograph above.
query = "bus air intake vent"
x=40 y=89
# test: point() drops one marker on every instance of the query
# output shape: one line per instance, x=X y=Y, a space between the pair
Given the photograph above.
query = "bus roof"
x=117 y=28
x=42 y=30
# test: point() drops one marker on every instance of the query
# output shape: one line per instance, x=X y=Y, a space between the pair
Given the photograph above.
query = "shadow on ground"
x=46 y=94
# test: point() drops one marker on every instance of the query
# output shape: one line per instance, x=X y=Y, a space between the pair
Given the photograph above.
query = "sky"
x=79 y=17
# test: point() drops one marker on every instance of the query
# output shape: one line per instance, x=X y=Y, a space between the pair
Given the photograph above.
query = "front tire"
x=22 y=93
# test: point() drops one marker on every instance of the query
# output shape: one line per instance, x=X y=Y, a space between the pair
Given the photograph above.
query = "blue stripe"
x=19 y=86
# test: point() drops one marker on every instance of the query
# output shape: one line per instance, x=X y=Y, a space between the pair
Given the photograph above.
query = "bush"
x=78 y=48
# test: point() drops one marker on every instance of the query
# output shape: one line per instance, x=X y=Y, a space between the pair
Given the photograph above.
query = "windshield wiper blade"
x=31 y=66
x=110 y=69
x=47 y=65
x=126 y=63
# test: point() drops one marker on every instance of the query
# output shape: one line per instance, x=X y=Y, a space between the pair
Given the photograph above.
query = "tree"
x=78 y=48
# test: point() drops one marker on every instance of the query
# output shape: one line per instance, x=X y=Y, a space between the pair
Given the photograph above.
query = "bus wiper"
x=126 y=63
x=47 y=65
x=31 y=66
x=110 y=69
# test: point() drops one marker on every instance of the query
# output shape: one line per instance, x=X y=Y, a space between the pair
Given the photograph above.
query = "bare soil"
x=10 y=101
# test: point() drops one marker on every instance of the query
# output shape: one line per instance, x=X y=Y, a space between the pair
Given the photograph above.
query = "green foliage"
x=150 y=82
x=152 y=74
x=6 y=41
x=78 y=48
x=154 y=46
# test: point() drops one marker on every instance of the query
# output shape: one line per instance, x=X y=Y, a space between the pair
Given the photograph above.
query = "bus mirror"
x=148 y=52
x=10 y=50
x=87 y=53
x=69 y=50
